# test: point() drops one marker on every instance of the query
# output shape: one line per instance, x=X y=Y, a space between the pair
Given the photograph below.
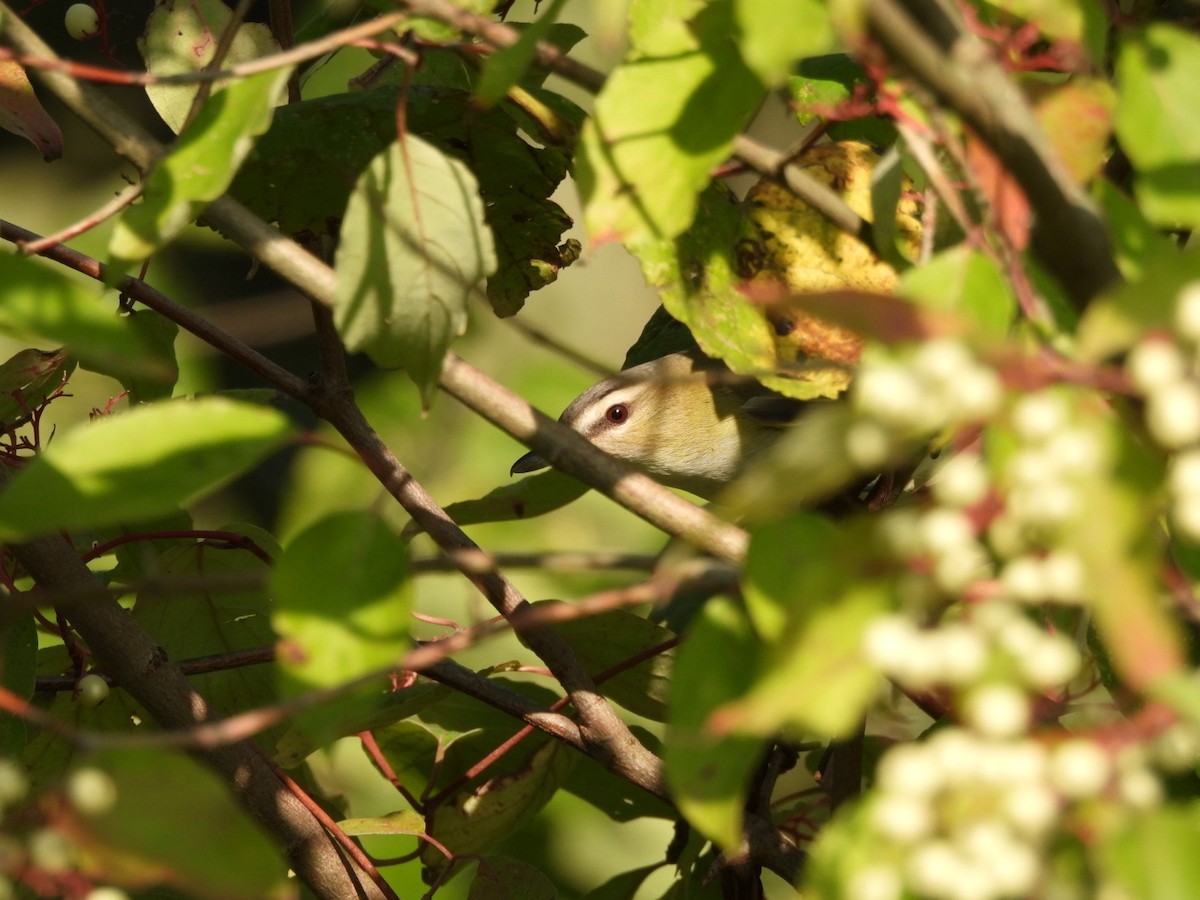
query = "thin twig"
x=314 y=49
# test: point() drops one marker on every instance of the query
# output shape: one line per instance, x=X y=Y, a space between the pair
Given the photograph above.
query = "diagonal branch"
x=1069 y=237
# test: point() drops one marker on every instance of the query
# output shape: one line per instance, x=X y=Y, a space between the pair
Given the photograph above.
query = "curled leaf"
x=21 y=113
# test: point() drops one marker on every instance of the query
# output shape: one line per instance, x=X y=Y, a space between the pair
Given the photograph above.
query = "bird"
x=683 y=419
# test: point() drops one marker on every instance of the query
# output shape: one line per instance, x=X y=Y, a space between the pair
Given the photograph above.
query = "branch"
x=1069 y=237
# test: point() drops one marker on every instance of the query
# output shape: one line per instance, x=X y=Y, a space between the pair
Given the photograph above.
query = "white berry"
x=1173 y=414
x=93 y=690
x=1155 y=364
x=92 y=791
x=81 y=21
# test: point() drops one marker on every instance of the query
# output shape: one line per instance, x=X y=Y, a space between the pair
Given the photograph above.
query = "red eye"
x=617 y=413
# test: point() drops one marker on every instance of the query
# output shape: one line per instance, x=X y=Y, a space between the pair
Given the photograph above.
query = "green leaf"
x=162 y=798
x=182 y=37
x=773 y=36
x=824 y=82
x=138 y=464
x=505 y=878
x=604 y=640
x=528 y=498
x=660 y=124
x=414 y=246
x=1115 y=321
x=301 y=172
x=27 y=378
x=774 y=570
x=44 y=304
x=817 y=681
x=963 y=281
x=1153 y=856
x=338 y=622
x=504 y=68
x=843 y=848
x=809 y=594
x=1135 y=241
x=198 y=170
x=377 y=705
x=708 y=773
x=403 y=822
x=1157 y=73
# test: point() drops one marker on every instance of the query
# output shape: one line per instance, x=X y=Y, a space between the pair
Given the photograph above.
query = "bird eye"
x=617 y=413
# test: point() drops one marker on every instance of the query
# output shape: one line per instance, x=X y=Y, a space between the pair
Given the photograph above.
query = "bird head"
x=681 y=418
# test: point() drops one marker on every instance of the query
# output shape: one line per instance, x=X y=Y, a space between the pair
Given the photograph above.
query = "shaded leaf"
x=18 y=669
x=605 y=640
x=21 y=113
x=624 y=886
x=478 y=818
x=822 y=89
x=303 y=169
x=158 y=334
x=505 y=878
x=138 y=464
x=414 y=245
x=190 y=624
x=27 y=378
x=181 y=36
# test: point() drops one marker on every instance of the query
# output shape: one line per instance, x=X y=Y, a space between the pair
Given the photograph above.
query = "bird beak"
x=530 y=462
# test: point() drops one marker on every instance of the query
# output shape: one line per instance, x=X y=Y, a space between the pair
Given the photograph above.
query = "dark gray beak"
x=530 y=462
